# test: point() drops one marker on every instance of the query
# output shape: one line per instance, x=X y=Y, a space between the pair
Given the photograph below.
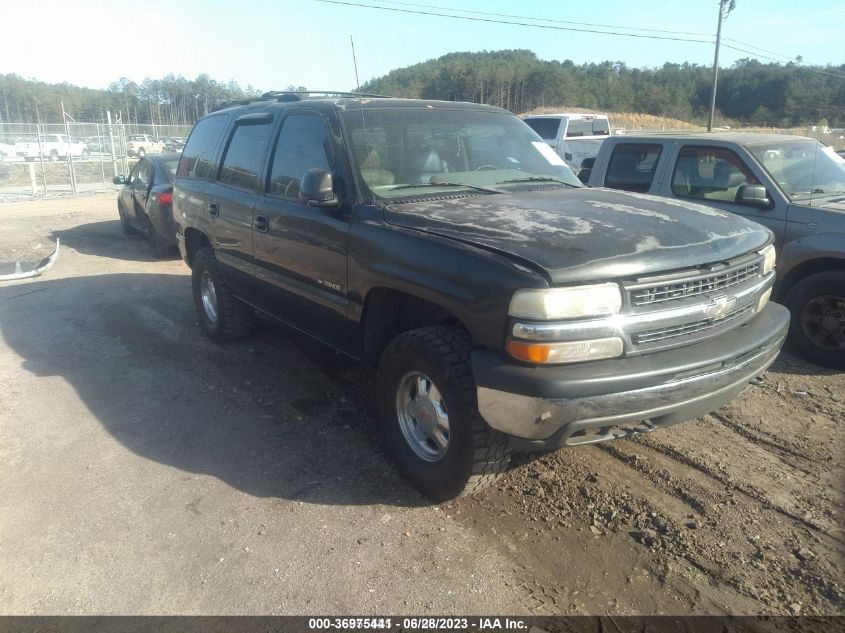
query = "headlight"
x=769 y=257
x=566 y=303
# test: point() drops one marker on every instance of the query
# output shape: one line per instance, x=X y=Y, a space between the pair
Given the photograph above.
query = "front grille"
x=661 y=293
x=696 y=327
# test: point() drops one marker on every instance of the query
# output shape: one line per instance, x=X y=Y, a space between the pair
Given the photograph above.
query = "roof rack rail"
x=230 y=104
x=295 y=95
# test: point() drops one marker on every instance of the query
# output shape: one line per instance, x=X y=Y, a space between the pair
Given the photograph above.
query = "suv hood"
x=587 y=234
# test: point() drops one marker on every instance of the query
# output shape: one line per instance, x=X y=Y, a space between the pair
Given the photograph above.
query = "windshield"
x=803 y=168
x=417 y=152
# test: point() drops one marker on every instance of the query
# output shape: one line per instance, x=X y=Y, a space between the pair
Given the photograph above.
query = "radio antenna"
x=354 y=63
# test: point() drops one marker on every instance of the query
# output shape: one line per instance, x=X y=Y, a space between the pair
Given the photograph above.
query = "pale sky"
x=306 y=42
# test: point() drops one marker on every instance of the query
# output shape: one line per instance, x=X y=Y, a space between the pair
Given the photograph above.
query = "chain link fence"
x=76 y=157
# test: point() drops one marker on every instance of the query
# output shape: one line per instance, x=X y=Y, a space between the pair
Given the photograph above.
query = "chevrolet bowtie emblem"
x=719 y=307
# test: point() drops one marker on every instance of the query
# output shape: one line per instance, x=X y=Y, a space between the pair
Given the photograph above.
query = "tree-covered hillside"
x=169 y=100
x=749 y=91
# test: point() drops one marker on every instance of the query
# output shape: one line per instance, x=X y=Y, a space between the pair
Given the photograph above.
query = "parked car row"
x=794 y=186
x=505 y=306
x=60 y=146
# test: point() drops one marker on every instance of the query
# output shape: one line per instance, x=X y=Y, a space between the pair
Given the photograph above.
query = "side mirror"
x=316 y=188
x=119 y=180
x=753 y=196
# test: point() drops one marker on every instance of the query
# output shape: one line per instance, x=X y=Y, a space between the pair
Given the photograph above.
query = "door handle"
x=260 y=223
x=213 y=209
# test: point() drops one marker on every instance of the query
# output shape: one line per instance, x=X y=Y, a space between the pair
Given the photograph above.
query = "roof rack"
x=295 y=95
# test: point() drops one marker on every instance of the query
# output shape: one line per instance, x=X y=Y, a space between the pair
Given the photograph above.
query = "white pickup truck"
x=142 y=144
x=52 y=147
x=574 y=136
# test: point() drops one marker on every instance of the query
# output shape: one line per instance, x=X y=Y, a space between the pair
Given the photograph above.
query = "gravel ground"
x=144 y=469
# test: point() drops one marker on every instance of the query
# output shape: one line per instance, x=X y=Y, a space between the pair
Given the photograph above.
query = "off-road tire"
x=235 y=319
x=477 y=454
x=829 y=282
x=125 y=224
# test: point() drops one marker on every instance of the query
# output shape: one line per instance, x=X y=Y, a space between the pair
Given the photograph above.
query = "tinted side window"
x=301 y=146
x=710 y=173
x=244 y=154
x=632 y=166
x=546 y=128
x=198 y=152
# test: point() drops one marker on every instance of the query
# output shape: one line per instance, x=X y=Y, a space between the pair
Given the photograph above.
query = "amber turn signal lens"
x=531 y=352
x=565 y=352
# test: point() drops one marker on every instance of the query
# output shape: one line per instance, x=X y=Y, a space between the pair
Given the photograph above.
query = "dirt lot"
x=145 y=469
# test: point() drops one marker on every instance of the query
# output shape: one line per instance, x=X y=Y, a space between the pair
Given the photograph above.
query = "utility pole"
x=725 y=7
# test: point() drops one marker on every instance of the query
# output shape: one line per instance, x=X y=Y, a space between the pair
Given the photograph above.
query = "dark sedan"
x=145 y=203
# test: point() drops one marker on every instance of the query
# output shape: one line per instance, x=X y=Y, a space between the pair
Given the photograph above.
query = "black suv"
x=506 y=306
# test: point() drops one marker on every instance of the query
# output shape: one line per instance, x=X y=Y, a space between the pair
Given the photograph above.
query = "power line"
x=474 y=18
x=802 y=66
x=556 y=21
x=784 y=58
x=511 y=23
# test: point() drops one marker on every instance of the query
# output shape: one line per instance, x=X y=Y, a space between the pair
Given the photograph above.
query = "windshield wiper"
x=440 y=183
x=538 y=179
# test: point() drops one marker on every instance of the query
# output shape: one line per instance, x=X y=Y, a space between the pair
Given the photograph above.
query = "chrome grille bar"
x=661 y=293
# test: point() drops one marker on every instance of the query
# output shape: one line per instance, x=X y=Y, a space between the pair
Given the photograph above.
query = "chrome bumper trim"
x=539 y=418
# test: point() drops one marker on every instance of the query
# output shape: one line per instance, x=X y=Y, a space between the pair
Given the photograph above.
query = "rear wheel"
x=817 y=329
x=428 y=411
x=125 y=225
x=222 y=316
x=158 y=246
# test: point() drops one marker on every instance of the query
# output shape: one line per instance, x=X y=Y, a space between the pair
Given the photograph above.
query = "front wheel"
x=428 y=411
x=817 y=329
x=222 y=316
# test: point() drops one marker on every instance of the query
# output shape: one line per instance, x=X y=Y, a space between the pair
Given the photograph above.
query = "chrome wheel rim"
x=823 y=321
x=422 y=416
x=209 y=296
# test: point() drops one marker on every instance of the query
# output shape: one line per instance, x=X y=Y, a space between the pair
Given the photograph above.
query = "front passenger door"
x=713 y=176
x=301 y=250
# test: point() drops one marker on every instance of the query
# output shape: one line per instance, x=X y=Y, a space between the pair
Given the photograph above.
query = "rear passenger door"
x=301 y=250
x=231 y=202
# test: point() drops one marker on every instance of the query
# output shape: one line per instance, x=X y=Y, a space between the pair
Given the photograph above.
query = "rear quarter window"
x=199 y=150
x=546 y=128
x=632 y=167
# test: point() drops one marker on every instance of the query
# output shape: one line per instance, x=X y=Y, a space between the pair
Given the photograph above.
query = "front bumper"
x=549 y=407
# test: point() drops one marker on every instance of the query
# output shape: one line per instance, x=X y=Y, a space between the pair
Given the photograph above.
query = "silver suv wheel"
x=422 y=416
x=209 y=296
